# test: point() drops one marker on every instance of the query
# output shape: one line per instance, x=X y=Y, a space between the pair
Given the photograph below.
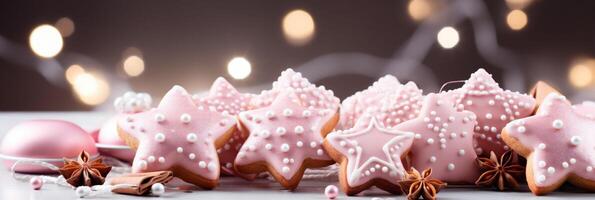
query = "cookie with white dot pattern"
x=225 y=98
x=178 y=136
x=443 y=141
x=494 y=108
x=369 y=155
x=558 y=143
x=389 y=101
x=285 y=138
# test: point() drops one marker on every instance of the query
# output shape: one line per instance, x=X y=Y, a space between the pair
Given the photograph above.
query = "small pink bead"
x=331 y=191
x=36 y=183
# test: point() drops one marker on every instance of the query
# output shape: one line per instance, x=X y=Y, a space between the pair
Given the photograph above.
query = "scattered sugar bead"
x=159 y=137
x=191 y=137
x=157 y=189
x=82 y=191
x=575 y=140
x=331 y=191
x=185 y=118
x=36 y=183
x=557 y=124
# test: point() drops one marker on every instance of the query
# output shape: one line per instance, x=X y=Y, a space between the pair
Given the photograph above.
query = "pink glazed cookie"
x=44 y=140
x=558 y=143
x=388 y=100
x=179 y=136
x=370 y=155
x=225 y=98
x=285 y=138
x=493 y=107
x=443 y=141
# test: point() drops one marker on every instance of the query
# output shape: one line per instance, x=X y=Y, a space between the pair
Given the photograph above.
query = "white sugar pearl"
x=284 y=147
x=286 y=160
x=191 y=137
x=557 y=124
x=575 y=140
x=342 y=143
x=151 y=159
x=265 y=133
x=319 y=152
x=313 y=144
x=157 y=189
x=159 y=137
x=551 y=170
x=298 y=129
x=287 y=112
x=202 y=164
x=433 y=159
x=191 y=156
x=451 y=166
x=521 y=129
x=159 y=118
x=541 y=164
x=565 y=165
x=83 y=191
x=299 y=144
x=161 y=160
x=306 y=113
x=430 y=141
x=461 y=152
x=281 y=130
x=589 y=169
x=268 y=146
x=142 y=164
x=541 y=146
x=180 y=150
x=489 y=116
x=572 y=160
x=285 y=170
x=270 y=114
x=185 y=118
x=541 y=178
x=212 y=166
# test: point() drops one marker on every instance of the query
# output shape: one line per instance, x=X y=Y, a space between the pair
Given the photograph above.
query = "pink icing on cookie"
x=284 y=135
x=178 y=133
x=494 y=108
x=586 y=109
x=561 y=142
x=443 y=141
x=311 y=96
x=372 y=152
x=225 y=98
x=387 y=100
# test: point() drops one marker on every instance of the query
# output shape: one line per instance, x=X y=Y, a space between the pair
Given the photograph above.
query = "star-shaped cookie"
x=285 y=139
x=178 y=136
x=223 y=97
x=558 y=143
x=494 y=108
x=370 y=155
x=443 y=141
x=387 y=99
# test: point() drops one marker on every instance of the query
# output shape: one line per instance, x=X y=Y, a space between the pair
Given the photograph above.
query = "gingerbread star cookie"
x=370 y=155
x=223 y=97
x=387 y=99
x=494 y=108
x=178 y=136
x=443 y=141
x=285 y=139
x=558 y=143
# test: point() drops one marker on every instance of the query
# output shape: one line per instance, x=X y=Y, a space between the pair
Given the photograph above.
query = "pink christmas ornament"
x=44 y=140
x=310 y=96
x=369 y=156
x=493 y=107
x=389 y=101
x=225 y=98
x=179 y=136
x=36 y=183
x=443 y=141
x=559 y=145
x=285 y=138
x=331 y=191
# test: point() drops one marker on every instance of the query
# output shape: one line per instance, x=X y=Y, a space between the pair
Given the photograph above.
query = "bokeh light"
x=298 y=27
x=420 y=9
x=582 y=73
x=66 y=26
x=91 y=89
x=134 y=65
x=516 y=19
x=239 y=68
x=46 y=41
x=448 y=37
x=518 y=4
x=73 y=72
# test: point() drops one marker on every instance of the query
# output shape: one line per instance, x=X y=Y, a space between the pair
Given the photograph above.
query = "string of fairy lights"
x=92 y=87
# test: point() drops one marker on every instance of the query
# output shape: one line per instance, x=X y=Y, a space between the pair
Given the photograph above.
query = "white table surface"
x=230 y=188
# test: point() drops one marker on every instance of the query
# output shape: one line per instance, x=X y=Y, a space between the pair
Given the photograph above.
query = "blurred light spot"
x=420 y=9
x=66 y=26
x=516 y=19
x=46 y=41
x=518 y=4
x=73 y=72
x=239 y=68
x=90 y=89
x=298 y=27
x=581 y=74
x=134 y=65
x=448 y=37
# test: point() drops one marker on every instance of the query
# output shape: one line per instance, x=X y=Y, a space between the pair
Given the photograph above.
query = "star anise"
x=84 y=172
x=500 y=172
x=418 y=185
